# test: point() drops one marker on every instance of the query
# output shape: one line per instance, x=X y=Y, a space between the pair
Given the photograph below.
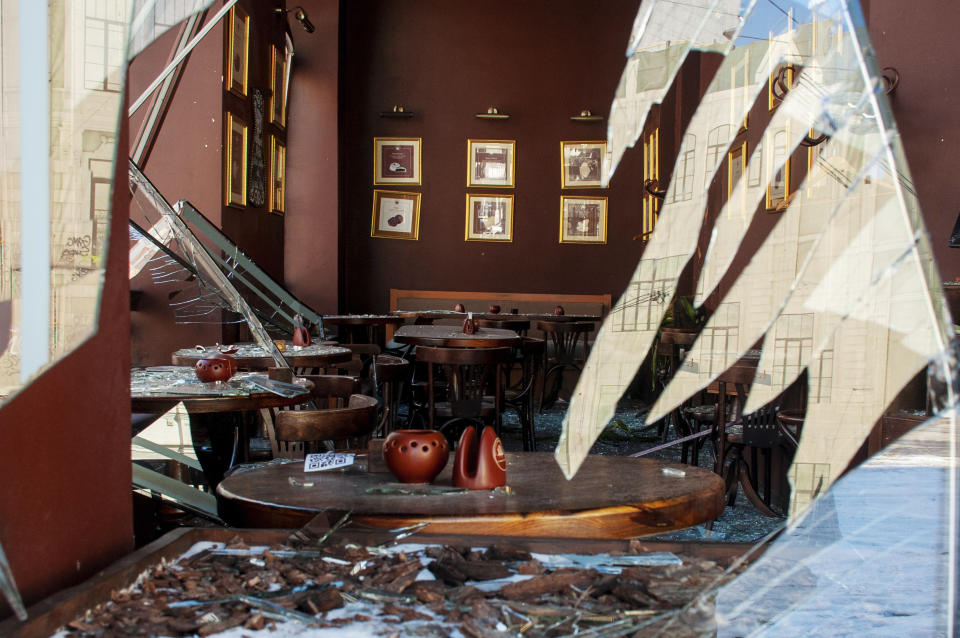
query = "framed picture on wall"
x=235 y=161
x=489 y=218
x=583 y=220
x=278 y=175
x=238 y=44
x=491 y=163
x=396 y=215
x=278 y=86
x=396 y=160
x=581 y=164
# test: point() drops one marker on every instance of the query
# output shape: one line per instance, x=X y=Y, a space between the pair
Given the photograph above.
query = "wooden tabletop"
x=253 y=357
x=204 y=398
x=363 y=320
x=455 y=337
x=610 y=497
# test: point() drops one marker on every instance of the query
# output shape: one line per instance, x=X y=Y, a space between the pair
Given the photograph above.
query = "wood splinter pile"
x=217 y=590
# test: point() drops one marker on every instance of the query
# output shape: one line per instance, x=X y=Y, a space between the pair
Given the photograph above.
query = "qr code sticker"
x=326 y=461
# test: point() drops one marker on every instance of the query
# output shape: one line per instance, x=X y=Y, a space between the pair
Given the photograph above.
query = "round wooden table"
x=610 y=497
x=252 y=357
x=218 y=412
x=455 y=337
x=362 y=328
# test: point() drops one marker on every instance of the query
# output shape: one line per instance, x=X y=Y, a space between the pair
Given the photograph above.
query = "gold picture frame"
x=235 y=161
x=582 y=164
x=238 y=51
x=583 y=220
x=278 y=87
x=277 y=190
x=396 y=160
x=396 y=215
x=491 y=163
x=489 y=218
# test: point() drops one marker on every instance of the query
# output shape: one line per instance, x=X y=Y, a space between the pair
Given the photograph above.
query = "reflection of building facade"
x=87 y=58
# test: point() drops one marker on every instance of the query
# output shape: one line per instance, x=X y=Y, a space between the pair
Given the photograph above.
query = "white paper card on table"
x=326 y=461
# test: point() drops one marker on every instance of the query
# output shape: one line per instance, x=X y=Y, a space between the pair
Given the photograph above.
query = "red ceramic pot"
x=494 y=309
x=301 y=337
x=469 y=326
x=480 y=465
x=558 y=310
x=415 y=456
x=216 y=367
x=459 y=308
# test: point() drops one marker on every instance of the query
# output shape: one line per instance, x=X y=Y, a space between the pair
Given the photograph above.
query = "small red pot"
x=416 y=456
x=216 y=367
x=494 y=309
x=301 y=336
x=558 y=310
x=459 y=308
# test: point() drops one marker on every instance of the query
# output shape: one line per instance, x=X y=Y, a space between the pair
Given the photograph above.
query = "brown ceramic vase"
x=480 y=465
x=415 y=456
x=494 y=309
x=216 y=367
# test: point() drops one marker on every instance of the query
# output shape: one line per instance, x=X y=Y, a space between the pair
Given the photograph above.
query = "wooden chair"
x=299 y=432
x=474 y=387
x=569 y=350
x=521 y=396
x=390 y=374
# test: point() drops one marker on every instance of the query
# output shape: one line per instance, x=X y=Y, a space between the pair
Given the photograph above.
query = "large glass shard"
x=871 y=558
x=215 y=285
x=842 y=288
x=85 y=78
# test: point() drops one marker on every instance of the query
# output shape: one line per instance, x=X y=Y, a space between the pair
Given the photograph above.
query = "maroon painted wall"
x=540 y=61
x=65 y=508
x=919 y=41
x=311 y=230
x=184 y=162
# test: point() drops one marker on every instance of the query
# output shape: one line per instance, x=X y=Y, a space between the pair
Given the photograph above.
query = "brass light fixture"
x=493 y=113
x=301 y=17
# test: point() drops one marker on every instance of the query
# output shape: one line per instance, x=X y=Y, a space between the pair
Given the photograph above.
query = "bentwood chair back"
x=300 y=432
x=474 y=388
x=390 y=374
x=567 y=348
x=521 y=396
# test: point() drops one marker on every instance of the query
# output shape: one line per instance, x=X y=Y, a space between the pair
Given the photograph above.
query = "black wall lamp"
x=301 y=17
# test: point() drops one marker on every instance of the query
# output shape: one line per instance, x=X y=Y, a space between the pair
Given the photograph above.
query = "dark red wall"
x=65 y=506
x=919 y=41
x=311 y=230
x=541 y=61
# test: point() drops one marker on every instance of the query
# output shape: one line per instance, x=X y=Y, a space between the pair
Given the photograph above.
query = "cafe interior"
x=545 y=318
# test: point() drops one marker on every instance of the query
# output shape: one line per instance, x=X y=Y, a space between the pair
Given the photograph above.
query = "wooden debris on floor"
x=499 y=591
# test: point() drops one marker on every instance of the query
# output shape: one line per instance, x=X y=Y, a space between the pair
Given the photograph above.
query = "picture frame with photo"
x=489 y=218
x=491 y=163
x=235 y=161
x=396 y=215
x=278 y=87
x=238 y=51
x=583 y=220
x=396 y=160
x=581 y=164
x=277 y=176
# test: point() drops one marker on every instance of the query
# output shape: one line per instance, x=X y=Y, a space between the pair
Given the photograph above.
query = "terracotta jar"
x=494 y=309
x=558 y=310
x=480 y=464
x=301 y=336
x=459 y=308
x=216 y=367
x=415 y=456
